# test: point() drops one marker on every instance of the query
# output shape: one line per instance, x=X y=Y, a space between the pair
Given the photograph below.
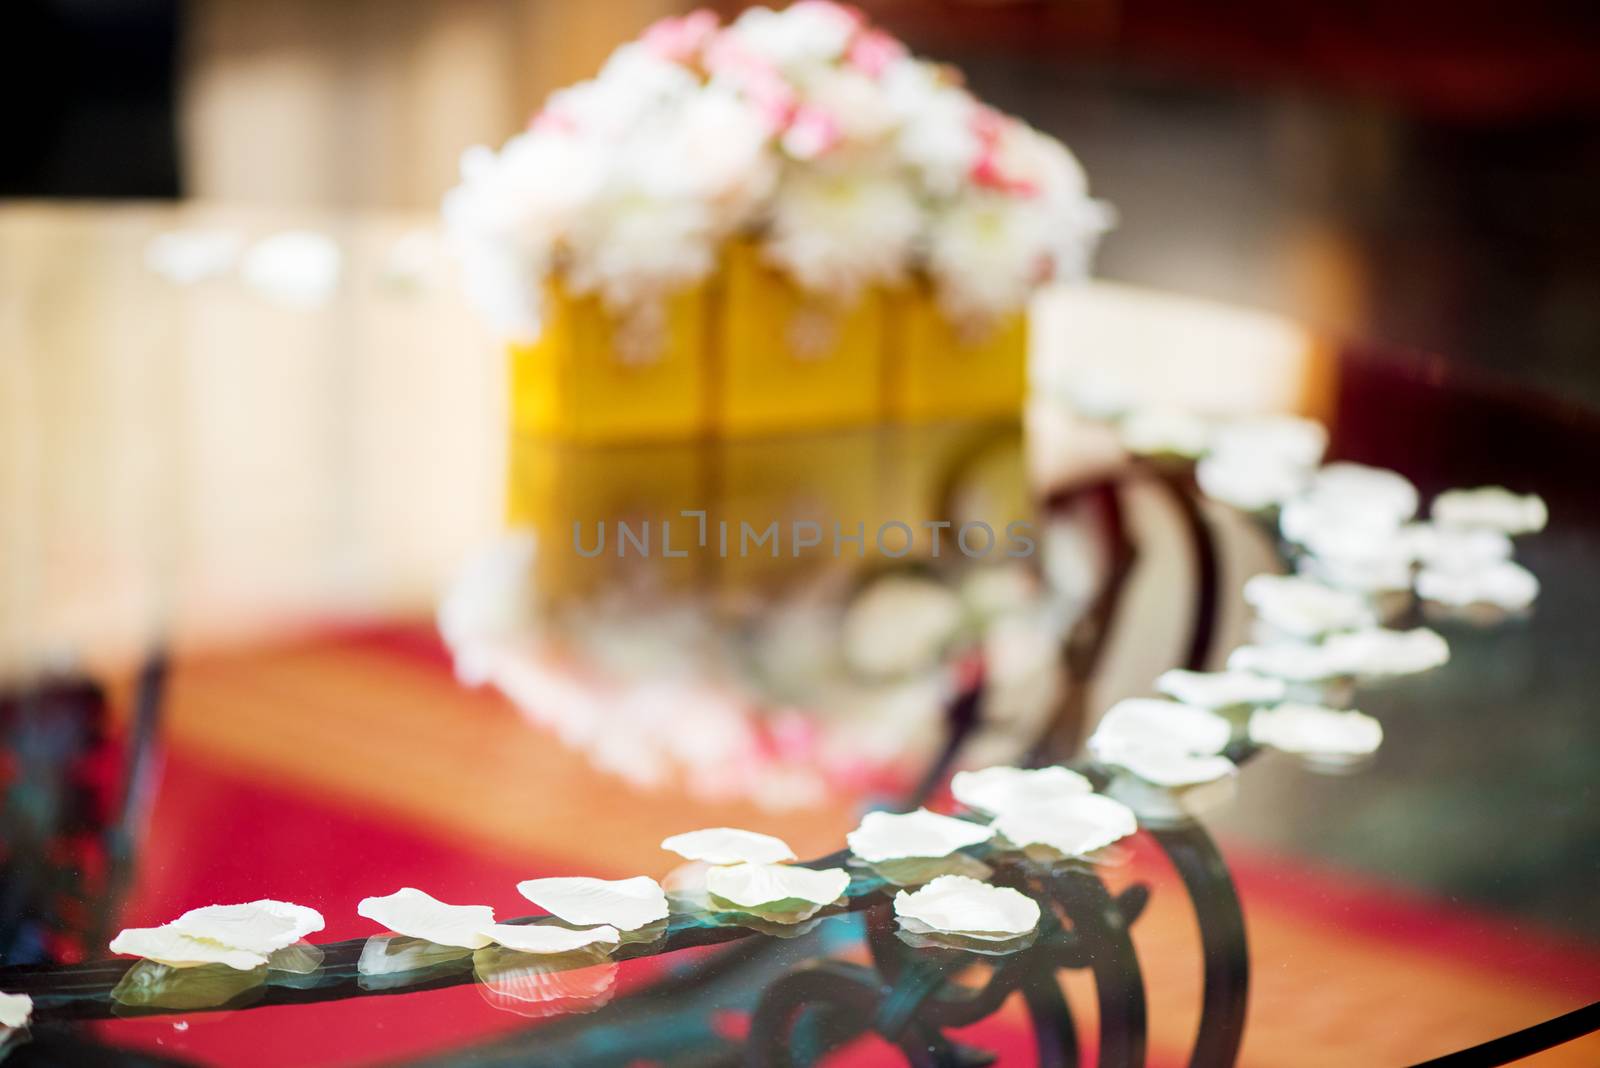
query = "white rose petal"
x=1154 y=722
x=548 y=938
x=263 y=926
x=15 y=1010
x=1378 y=651
x=179 y=949
x=1493 y=508
x=728 y=845
x=890 y=836
x=1074 y=826
x=626 y=904
x=1312 y=730
x=1291 y=661
x=1220 y=689
x=1161 y=765
x=1003 y=789
x=1446 y=548
x=411 y=912
x=1303 y=608
x=955 y=904
x=1505 y=584
x=763 y=886
x=1373 y=490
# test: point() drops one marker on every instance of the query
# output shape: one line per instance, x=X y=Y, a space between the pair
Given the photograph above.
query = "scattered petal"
x=1159 y=764
x=727 y=845
x=263 y=926
x=1493 y=508
x=1312 y=730
x=1147 y=721
x=954 y=904
x=1378 y=651
x=1505 y=584
x=1456 y=548
x=1001 y=789
x=1371 y=490
x=1291 y=661
x=15 y=1010
x=891 y=836
x=1073 y=826
x=179 y=949
x=1303 y=608
x=626 y=904
x=1220 y=689
x=548 y=938
x=411 y=912
x=776 y=887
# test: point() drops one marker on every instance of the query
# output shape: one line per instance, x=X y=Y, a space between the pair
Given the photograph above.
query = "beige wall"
x=370 y=102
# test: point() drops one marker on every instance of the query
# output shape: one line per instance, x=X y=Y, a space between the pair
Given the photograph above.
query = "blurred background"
x=1422 y=172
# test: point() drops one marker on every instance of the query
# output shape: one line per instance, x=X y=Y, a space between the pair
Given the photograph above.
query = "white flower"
x=985 y=253
x=890 y=836
x=1154 y=431
x=938 y=132
x=1249 y=481
x=803 y=35
x=999 y=790
x=1303 y=608
x=411 y=912
x=1493 y=508
x=898 y=625
x=837 y=231
x=548 y=938
x=1149 y=721
x=626 y=904
x=1220 y=689
x=776 y=888
x=263 y=926
x=15 y=1010
x=955 y=904
x=728 y=845
x=1312 y=730
x=1502 y=584
x=178 y=949
x=1073 y=826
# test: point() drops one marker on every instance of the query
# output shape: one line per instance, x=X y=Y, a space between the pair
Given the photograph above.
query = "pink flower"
x=873 y=51
x=989 y=170
x=551 y=121
x=761 y=83
x=813 y=133
x=681 y=38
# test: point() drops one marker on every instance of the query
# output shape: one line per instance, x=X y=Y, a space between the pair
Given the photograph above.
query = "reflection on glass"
x=538 y=985
x=148 y=985
x=392 y=960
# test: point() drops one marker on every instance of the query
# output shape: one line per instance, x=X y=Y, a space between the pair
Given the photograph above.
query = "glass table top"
x=227 y=525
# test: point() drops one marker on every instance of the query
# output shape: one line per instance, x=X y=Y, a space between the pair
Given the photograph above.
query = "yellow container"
x=788 y=360
x=584 y=381
x=936 y=370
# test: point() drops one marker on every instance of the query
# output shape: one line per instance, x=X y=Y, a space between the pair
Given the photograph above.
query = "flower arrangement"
x=851 y=162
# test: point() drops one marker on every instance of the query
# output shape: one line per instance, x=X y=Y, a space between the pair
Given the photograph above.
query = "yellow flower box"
x=787 y=360
x=583 y=381
x=938 y=370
